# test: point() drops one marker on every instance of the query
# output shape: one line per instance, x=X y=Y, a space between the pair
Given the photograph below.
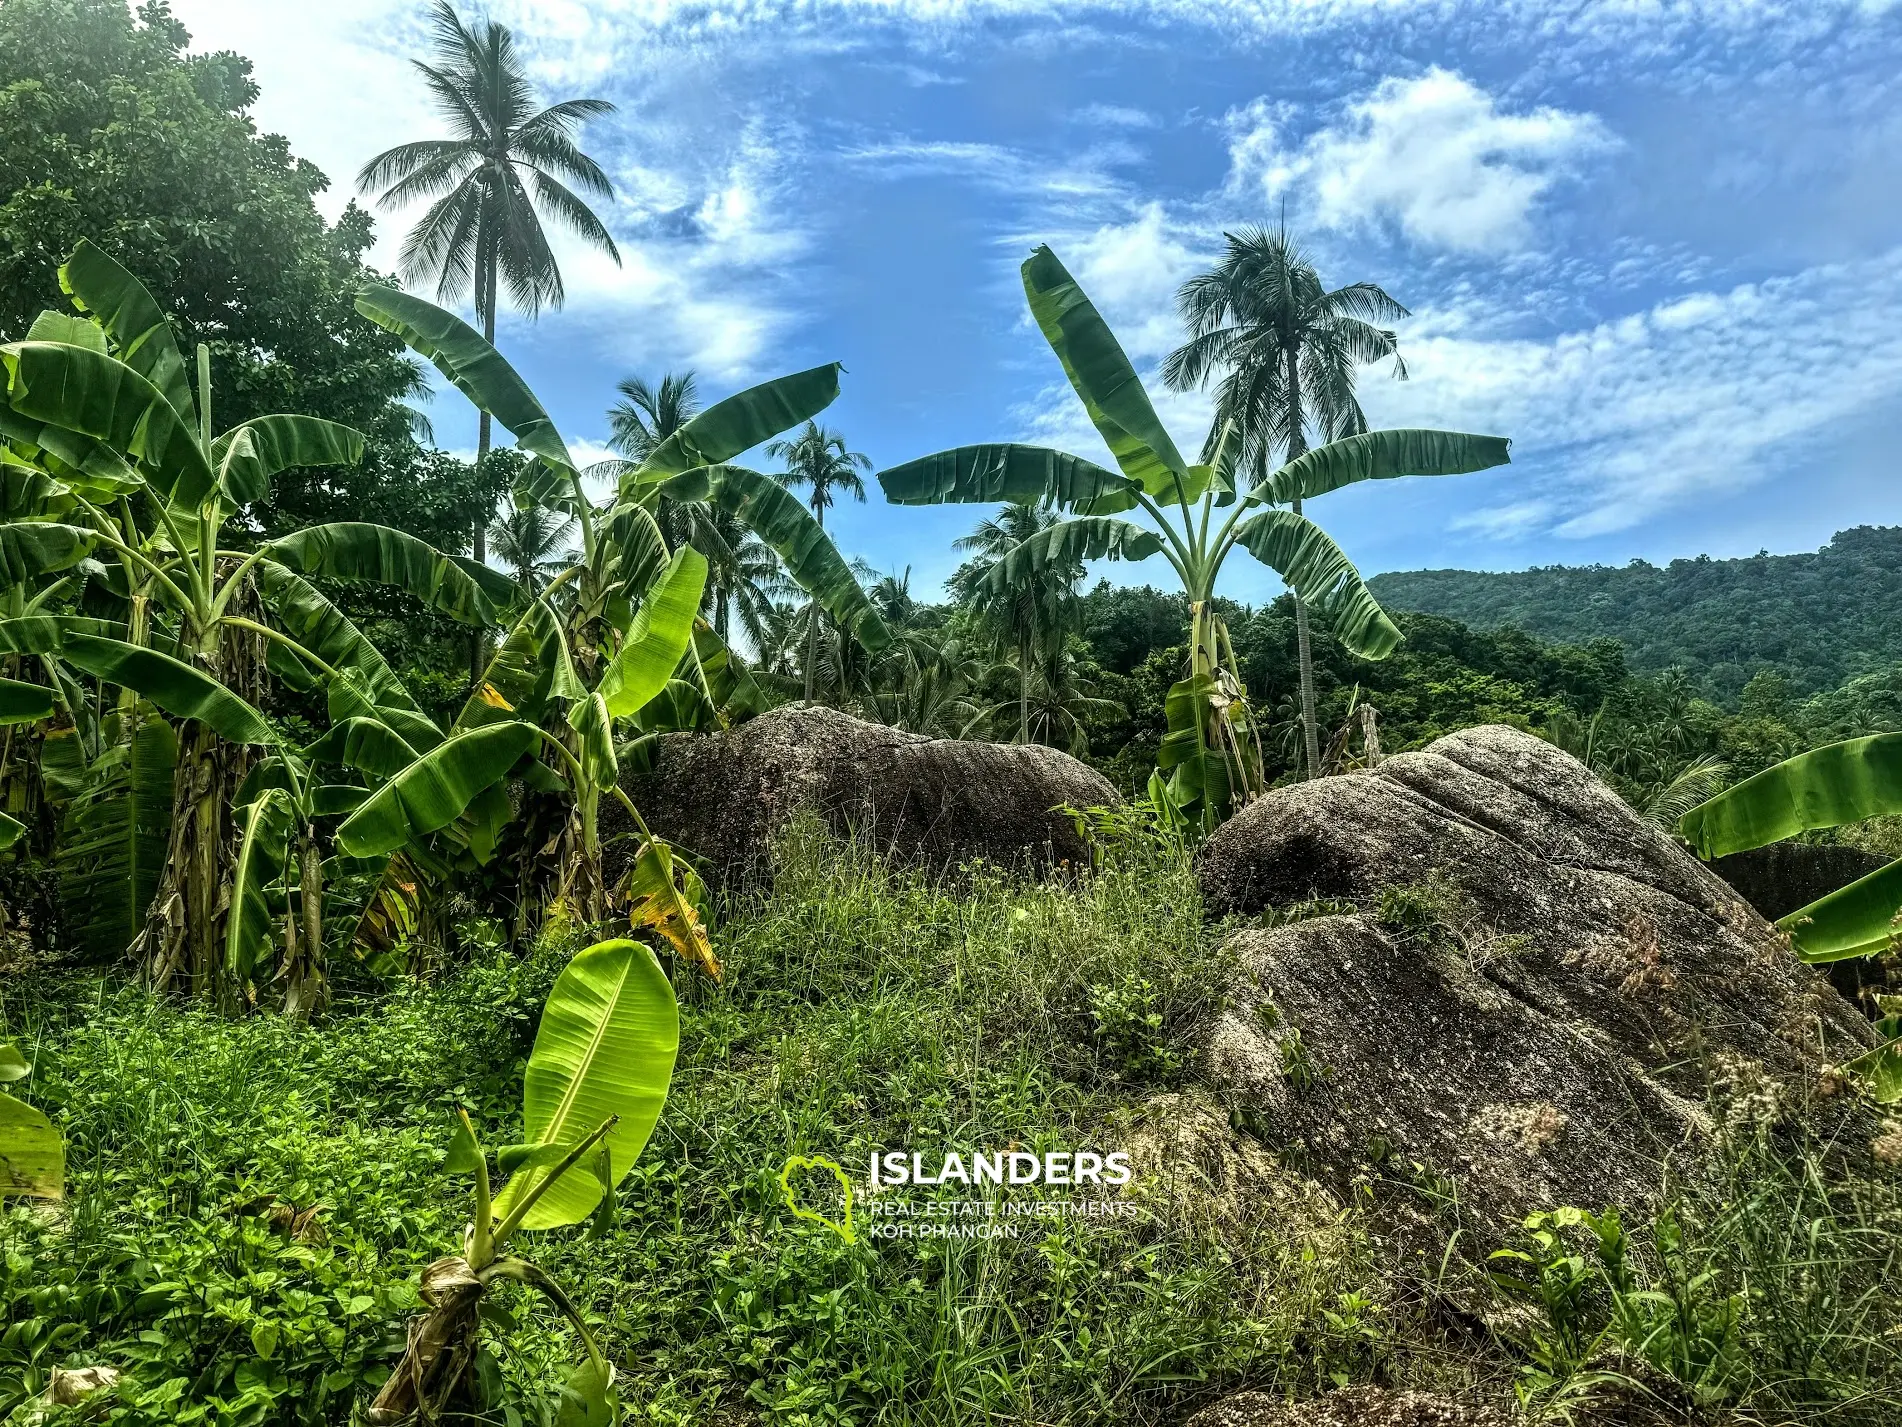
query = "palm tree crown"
x=505 y=167
x=818 y=459
x=645 y=415
x=1030 y=612
x=1286 y=346
x=529 y=541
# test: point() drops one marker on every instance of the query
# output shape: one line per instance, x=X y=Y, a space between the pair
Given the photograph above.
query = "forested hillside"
x=1817 y=619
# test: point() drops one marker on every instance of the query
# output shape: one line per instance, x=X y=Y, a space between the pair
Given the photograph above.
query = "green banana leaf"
x=114 y=830
x=594 y=740
x=31 y=548
x=1009 y=473
x=24 y=703
x=133 y=319
x=1070 y=542
x=32 y=1152
x=740 y=422
x=352 y=550
x=28 y=491
x=1199 y=778
x=659 y=636
x=11 y=829
x=73 y=331
x=47 y=633
x=782 y=521
x=349 y=696
x=101 y=397
x=1383 y=455
x=471 y=364
x=1856 y=920
x=393 y=911
x=605 y=1049
x=251 y=931
x=1104 y=380
x=1311 y=564
x=178 y=688
x=85 y=463
x=435 y=790
x=248 y=456
x=1826 y=787
x=317 y=624
x=364 y=743
x=529 y=670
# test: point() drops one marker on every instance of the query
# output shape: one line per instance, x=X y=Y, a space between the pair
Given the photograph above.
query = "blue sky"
x=1658 y=244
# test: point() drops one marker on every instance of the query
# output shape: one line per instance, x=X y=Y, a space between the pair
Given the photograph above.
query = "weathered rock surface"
x=1535 y=1019
x=1352 y=1407
x=923 y=801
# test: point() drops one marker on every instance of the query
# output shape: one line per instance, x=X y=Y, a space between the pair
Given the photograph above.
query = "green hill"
x=1817 y=618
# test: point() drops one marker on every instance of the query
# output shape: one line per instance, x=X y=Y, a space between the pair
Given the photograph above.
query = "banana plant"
x=1210 y=761
x=32 y=1150
x=1828 y=787
x=608 y=635
x=104 y=407
x=592 y=1092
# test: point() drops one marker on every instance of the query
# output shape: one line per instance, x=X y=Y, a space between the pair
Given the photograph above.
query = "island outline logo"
x=798 y=1162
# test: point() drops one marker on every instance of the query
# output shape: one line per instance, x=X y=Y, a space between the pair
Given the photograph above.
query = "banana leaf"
x=659 y=636
x=32 y=1152
x=352 y=550
x=528 y=670
x=31 y=548
x=85 y=463
x=73 y=331
x=317 y=624
x=1068 y=543
x=133 y=319
x=349 y=696
x=101 y=397
x=666 y=896
x=11 y=829
x=782 y=521
x=471 y=364
x=248 y=456
x=47 y=633
x=251 y=931
x=178 y=688
x=114 y=830
x=605 y=1051
x=24 y=703
x=364 y=743
x=28 y=491
x=739 y=423
x=1199 y=778
x=435 y=790
x=1857 y=920
x=1310 y=563
x=1009 y=473
x=1383 y=455
x=1827 y=787
x=1104 y=380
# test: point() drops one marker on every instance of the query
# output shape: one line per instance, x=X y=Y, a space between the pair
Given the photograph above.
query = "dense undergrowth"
x=250 y=1200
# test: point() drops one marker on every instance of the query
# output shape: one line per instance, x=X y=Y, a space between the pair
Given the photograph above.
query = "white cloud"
x=1434 y=155
x=1703 y=395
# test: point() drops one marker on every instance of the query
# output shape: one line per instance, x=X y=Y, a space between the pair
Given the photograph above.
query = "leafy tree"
x=530 y=542
x=1287 y=348
x=507 y=166
x=818 y=459
x=1209 y=762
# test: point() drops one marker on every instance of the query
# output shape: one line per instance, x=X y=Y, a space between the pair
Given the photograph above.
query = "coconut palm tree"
x=818 y=459
x=505 y=167
x=1026 y=609
x=743 y=573
x=1286 y=349
x=530 y=542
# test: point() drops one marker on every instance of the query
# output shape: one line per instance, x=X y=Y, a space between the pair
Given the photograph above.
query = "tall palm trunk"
x=1023 y=687
x=812 y=614
x=1303 y=640
x=479 y=545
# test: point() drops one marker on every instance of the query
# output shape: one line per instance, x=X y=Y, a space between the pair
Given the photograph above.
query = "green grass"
x=859 y=1011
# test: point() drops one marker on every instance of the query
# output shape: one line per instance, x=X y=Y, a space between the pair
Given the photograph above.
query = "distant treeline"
x=1817 y=619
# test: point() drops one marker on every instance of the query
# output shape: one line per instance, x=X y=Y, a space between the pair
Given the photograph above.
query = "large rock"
x=930 y=802
x=1529 y=1001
